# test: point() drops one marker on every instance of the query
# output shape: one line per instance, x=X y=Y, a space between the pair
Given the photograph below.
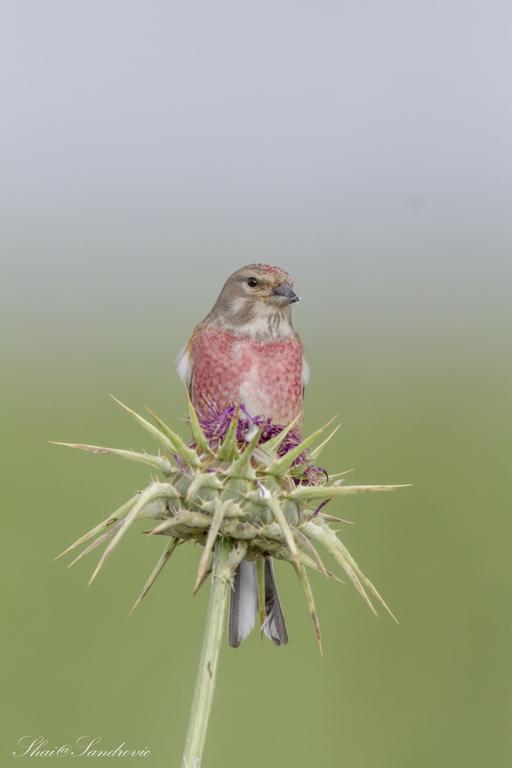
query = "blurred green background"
x=147 y=151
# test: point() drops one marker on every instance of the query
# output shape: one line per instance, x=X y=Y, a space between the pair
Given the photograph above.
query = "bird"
x=247 y=352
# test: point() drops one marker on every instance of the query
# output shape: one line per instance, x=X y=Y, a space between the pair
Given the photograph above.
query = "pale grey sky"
x=360 y=143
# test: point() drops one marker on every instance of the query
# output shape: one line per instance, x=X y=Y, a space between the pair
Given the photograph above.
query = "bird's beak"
x=286 y=292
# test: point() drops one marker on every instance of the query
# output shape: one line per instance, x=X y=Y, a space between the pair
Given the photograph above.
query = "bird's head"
x=256 y=300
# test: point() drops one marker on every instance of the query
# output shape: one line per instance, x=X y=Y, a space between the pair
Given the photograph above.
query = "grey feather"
x=244 y=606
x=244 y=603
x=274 y=625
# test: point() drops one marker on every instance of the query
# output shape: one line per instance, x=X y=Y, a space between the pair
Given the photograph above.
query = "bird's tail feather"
x=244 y=606
x=244 y=603
x=274 y=625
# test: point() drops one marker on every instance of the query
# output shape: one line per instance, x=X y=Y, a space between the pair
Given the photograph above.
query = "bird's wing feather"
x=306 y=371
x=185 y=359
x=184 y=366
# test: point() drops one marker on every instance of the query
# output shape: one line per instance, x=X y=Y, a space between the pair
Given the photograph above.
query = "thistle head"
x=241 y=477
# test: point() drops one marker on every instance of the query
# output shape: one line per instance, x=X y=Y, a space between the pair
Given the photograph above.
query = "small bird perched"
x=246 y=351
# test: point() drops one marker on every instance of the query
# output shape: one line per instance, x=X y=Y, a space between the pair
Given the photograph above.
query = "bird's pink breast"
x=266 y=377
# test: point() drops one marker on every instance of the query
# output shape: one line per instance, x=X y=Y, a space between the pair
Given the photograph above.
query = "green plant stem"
x=207 y=672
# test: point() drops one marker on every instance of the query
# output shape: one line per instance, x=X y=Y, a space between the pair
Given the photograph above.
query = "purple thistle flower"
x=216 y=422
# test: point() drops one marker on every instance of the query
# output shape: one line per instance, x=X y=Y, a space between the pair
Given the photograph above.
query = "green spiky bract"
x=240 y=499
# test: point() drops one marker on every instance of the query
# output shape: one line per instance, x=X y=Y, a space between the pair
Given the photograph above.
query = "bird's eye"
x=252 y=282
